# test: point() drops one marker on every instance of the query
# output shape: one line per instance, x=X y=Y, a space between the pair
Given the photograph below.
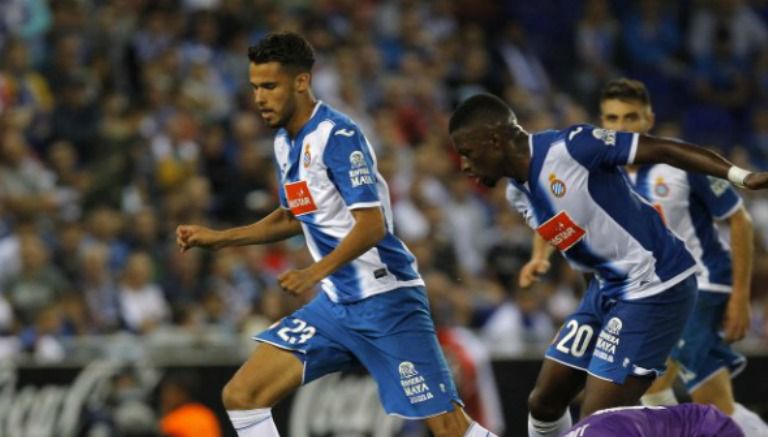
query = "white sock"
x=749 y=422
x=662 y=398
x=253 y=423
x=538 y=428
x=477 y=430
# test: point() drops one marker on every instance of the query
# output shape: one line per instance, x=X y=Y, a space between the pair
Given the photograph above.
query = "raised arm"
x=278 y=225
x=686 y=156
x=369 y=229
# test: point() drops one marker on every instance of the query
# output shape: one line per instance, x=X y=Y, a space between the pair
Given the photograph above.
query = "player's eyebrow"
x=262 y=84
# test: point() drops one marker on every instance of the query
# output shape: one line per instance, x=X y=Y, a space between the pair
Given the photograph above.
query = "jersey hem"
x=714 y=288
x=662 y=287
x=361 y=205
x=334 y=296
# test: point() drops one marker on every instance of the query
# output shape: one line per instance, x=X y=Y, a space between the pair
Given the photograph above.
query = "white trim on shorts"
x=281 y=347
x=709 y=377
x=573 y=366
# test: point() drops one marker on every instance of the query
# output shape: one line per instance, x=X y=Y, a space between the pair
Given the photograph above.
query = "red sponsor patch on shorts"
x=299 y=197
x=561 y=232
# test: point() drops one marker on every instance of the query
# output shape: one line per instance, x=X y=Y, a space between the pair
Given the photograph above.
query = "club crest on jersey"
x=556 y=186
x=661 y=189
x=307 y=156
x=607 y=136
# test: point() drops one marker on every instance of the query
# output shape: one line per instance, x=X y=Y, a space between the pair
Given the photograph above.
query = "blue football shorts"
x=390 y=334
x=702 y=350
x=611 y=338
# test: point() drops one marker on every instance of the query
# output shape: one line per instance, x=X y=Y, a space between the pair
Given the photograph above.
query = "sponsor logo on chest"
x=300 y=200
x=561 y=231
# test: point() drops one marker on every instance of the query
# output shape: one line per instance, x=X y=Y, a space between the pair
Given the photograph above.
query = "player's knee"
x=237 y=397
x=544 y=408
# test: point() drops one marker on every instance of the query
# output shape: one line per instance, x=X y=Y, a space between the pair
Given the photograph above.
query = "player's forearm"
x=361 y=238
x=277 y=226
x=741 y=252
x=541 y=249
x=682 y=155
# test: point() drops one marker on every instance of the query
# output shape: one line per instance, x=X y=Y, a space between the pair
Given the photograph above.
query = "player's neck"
x=302 y=115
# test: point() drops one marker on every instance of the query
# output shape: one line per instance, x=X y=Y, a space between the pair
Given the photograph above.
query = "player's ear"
x=302 y=82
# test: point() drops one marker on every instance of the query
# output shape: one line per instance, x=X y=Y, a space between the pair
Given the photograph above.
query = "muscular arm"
x=736 y=320
x=278 y=225
x=368 y=230
x=686 y=156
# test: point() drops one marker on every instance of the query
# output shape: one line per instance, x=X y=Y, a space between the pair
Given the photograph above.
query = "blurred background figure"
x=182 y=415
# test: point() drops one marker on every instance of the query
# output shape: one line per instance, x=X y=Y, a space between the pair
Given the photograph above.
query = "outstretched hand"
x=189 y=236
x=756 y=181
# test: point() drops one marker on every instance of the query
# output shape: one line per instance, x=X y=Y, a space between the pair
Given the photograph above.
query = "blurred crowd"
x=120 y=119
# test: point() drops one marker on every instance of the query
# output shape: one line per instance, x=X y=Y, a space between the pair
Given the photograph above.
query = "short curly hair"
x=626 y=89
x=287 y=48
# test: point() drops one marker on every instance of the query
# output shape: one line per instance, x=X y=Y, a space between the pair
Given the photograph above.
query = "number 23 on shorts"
x=300 y=333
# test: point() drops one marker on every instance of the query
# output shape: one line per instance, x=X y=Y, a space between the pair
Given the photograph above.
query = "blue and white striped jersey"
x=326 y=171
x=690 y=203
x=579 y=200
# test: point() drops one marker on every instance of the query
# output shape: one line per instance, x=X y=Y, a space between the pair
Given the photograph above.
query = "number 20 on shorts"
x=581 y=336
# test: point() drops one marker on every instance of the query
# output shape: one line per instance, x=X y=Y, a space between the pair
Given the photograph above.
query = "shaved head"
x=480 y=109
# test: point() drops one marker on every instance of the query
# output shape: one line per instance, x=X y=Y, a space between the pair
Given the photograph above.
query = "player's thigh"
x=600 y=393
x=556 y=387
x=269 y=374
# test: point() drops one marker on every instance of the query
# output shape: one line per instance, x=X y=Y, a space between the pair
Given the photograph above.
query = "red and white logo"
x=561 y=231
x=299 y=197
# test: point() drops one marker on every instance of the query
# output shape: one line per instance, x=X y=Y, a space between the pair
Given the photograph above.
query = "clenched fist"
x=188 y=236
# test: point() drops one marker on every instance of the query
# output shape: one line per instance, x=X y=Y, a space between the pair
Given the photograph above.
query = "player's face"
x=480 y=157
x=626 y=115
x=274 y=91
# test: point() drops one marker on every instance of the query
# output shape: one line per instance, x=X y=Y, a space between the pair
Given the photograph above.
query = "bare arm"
x=278 y=225
x=368 y=230
x=539 y=263
x=686 y=156
x=737 y=317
